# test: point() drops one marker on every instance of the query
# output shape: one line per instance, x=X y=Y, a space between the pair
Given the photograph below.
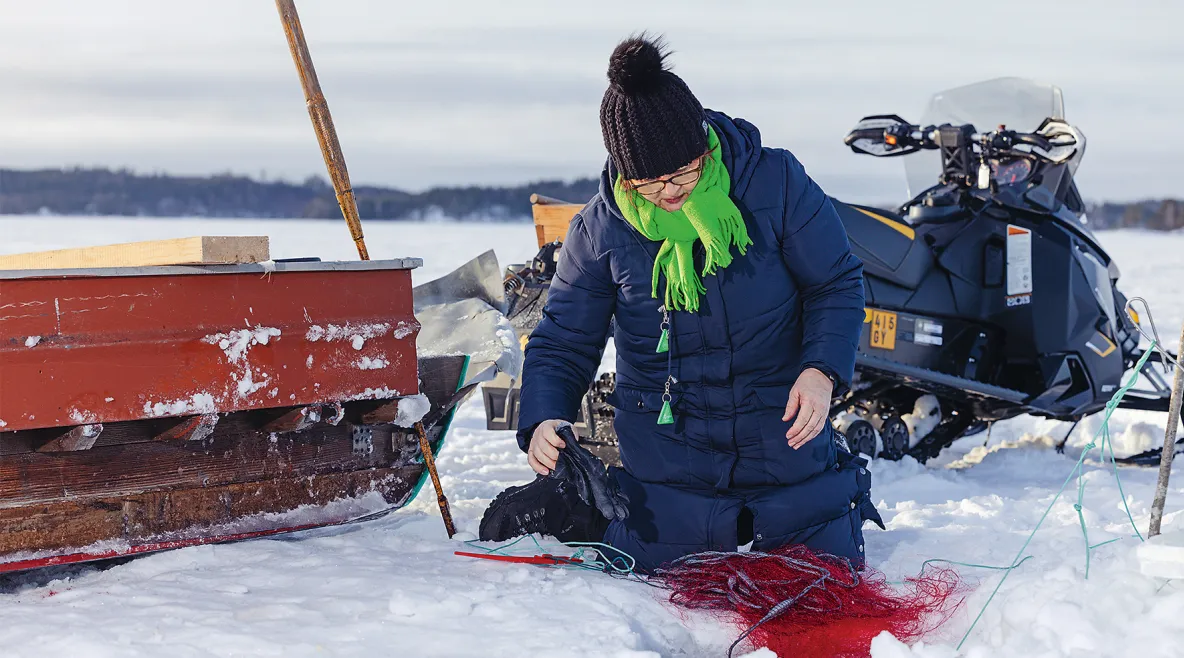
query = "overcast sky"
x=489 y=92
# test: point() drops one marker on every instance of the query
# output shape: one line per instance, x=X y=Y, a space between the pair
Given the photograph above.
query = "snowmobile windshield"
x=1017 y=103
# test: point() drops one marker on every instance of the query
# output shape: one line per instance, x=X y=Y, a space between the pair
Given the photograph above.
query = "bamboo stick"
x=322 y=123
x=1169 y=447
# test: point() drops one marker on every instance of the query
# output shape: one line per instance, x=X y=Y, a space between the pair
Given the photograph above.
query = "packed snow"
x=198 y=403
x=376 y=363
x=412 y=409
x=236 y=343
x=393 y=586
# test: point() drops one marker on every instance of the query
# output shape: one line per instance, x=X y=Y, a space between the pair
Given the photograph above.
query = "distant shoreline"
x=123 y=193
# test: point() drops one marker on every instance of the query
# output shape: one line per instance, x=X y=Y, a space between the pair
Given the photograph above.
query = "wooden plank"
x=199 y=250
x=383 y=414
x=295 y=420
x=82 y=437
x=151 y=485
x=238 y=453
x=190 y=512
x=551 y=220
x=192 y=428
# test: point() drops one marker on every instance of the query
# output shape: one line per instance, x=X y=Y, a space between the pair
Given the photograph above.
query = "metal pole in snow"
x=1169 y=448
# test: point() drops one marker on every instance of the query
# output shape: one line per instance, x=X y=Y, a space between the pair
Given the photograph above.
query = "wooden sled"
x=147 y=408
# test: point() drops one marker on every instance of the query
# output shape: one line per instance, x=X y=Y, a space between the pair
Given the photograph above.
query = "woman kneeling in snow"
x=738 y=308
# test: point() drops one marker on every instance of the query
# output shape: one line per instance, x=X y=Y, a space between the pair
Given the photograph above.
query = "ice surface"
x=394 y=587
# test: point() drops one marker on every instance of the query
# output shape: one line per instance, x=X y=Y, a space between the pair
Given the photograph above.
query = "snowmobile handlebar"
x=1001 y=141
x=889 y=135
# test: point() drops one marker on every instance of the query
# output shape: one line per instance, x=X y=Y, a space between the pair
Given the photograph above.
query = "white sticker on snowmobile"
x=1019 y=261
x=928 y=327
x=926 y=339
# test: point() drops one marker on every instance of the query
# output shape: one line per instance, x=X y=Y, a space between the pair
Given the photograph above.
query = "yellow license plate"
x=884 y=330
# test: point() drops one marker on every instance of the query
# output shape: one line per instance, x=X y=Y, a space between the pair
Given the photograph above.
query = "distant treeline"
x=122 y=192
x=1166 y=215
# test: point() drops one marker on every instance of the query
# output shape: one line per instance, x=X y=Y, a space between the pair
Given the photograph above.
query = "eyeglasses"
x=681 y=178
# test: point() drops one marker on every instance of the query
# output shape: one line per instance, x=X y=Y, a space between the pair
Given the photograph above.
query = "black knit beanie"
x=652 y=123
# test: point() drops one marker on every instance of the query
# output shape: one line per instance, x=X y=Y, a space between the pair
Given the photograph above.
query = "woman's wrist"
x=833 y=382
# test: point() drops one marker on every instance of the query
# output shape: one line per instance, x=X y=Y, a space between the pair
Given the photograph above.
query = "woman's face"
x=671 y=191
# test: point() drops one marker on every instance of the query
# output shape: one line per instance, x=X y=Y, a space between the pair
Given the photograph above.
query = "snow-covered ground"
x=393 y=587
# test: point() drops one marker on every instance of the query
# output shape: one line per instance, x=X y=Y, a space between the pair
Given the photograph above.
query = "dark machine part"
x=986 y=291
x=526 y=294
x=861 y=438
x=526 y=288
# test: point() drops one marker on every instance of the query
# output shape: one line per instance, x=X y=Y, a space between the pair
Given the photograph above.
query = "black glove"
x=588 y=475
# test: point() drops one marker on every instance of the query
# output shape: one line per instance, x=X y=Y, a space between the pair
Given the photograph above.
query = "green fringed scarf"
x=708 y=215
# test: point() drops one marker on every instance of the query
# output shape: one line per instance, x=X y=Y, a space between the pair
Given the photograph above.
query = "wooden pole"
x=428 y=458
x=322 y=123
x=1169 y=446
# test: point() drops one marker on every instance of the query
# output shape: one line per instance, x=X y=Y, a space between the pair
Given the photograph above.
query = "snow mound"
x=412 y=409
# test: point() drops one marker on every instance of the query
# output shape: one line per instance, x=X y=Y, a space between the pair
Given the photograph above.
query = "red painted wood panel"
x=98 y=349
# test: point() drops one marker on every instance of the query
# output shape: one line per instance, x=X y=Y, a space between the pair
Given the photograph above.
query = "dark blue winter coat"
x=794 y=301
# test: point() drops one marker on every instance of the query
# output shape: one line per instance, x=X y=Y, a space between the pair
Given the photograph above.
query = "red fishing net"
x=801 y=604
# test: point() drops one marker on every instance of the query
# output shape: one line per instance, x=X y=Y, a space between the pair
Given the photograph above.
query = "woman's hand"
x=810 y=400
x=545 y=444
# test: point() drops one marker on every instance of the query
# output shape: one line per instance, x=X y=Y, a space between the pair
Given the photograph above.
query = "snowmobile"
x=987 y=294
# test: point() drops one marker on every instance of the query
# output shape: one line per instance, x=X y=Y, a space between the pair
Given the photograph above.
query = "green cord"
x=1118 y=480
x=968 y=565
x=1104 y=432
x=975 y=566
x=622 y=564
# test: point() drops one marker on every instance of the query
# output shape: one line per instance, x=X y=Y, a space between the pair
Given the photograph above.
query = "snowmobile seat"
x=886 y=243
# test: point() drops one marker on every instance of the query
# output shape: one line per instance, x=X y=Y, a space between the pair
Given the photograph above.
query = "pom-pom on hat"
x=652 y=123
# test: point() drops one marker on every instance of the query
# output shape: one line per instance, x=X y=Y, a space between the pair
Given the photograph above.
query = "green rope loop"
x=1104 y=433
